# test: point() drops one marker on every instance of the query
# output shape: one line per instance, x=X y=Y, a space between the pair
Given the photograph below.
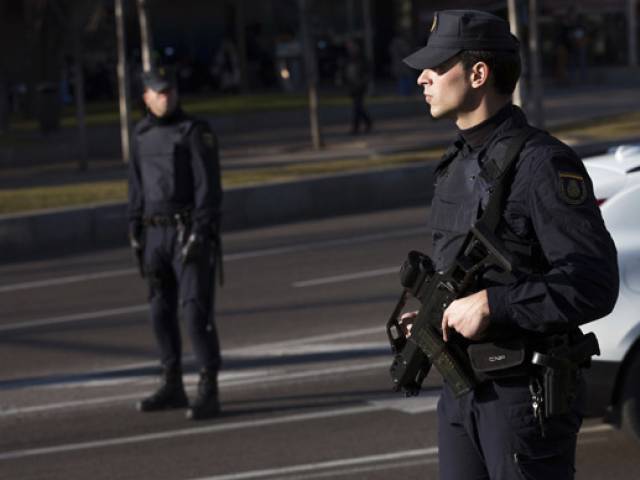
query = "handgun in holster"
x=560 y=367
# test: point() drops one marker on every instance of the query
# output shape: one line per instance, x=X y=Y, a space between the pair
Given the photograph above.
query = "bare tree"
x=146 y=43
x=311 y=70
x=123 y=83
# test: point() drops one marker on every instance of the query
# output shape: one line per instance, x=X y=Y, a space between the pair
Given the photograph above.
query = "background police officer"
x=549 y=222
x=174 y=210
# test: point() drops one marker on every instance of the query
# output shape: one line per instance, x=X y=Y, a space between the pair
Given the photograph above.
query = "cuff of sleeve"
x=498 y=310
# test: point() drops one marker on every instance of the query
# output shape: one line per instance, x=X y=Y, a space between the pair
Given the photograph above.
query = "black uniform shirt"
x=550 y=209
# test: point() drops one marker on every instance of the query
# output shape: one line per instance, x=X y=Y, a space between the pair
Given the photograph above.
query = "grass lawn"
x=29 y=199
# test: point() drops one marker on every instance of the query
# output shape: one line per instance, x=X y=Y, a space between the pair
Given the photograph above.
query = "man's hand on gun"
x=469 y=316
x=406 y=322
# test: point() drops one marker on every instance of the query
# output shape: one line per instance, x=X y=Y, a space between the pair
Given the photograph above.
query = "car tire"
x=630 y=399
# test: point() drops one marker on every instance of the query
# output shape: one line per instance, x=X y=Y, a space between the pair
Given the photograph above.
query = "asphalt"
x=304 y=386
x=277 y=138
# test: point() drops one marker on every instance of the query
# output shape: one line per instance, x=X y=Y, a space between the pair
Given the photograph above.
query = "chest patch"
x=572 y=188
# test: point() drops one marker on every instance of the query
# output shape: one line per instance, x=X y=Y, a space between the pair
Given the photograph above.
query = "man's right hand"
x=137 y=246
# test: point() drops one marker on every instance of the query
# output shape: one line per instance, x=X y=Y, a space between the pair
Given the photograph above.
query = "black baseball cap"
x=158 y=79
x=453 y=31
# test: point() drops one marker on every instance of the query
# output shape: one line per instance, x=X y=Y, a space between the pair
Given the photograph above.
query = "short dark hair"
x=506 y=67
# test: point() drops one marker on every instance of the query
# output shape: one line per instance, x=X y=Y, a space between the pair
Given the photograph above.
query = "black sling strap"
x=496 y=172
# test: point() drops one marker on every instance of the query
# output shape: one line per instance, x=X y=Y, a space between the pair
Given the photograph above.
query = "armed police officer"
x=174 y=212
x=521 y=421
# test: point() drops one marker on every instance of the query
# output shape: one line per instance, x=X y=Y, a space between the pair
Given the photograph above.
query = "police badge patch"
x=572 y=188
x=207 y=139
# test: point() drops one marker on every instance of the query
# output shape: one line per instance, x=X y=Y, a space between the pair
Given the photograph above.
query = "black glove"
x=136 y=241
x=192 y=249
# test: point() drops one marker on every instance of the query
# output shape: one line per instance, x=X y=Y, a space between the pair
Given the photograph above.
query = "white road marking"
x=264 y=349
x=604 y=427
x=426 y=402
x=370 y=468
x=327 y=243
x=346 y=277
x=227 y=258
x=77 y=317
x=260 y=377
x=173 y=434
x=310 y=467
x=66 y=280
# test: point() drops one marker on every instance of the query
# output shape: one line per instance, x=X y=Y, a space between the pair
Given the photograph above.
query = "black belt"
x=163 y=220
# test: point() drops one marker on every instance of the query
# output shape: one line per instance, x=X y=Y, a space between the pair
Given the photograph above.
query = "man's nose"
x=424 y=78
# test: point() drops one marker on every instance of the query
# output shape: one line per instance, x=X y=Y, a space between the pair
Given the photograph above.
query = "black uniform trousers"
x=491 y=433
x=190 y=286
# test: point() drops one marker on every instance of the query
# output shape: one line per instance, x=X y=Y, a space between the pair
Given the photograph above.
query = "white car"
x=614 y=378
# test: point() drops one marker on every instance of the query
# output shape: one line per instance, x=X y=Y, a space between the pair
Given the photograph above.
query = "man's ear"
x=479 y=74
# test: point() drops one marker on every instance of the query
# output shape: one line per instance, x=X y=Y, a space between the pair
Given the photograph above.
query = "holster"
x=560 y=367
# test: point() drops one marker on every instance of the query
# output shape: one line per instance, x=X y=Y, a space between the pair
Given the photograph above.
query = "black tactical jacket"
x=550 y=222
x=175 y=169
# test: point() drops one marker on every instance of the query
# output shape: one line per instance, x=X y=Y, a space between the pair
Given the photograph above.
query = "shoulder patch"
x=572 y=188
x=207 y=139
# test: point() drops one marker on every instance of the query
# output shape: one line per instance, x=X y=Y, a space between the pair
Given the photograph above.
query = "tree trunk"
x=311 y=74
x=123 y=84
x=146 y=43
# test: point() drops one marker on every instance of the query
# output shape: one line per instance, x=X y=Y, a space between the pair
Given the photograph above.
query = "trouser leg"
x=511 y=436
x=163 y=298
x=165 y=325
x=458 y=450
x=197 y=282
x=492 y=433
x=197 y=293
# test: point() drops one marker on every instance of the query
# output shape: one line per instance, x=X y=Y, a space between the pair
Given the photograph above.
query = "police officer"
x=549 y=222
x=174 y=211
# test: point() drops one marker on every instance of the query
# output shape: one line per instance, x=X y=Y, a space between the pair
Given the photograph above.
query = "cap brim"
x=430 y=57
x=158 y=85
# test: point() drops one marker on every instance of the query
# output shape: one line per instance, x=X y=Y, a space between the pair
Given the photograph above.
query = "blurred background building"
x=254 y=45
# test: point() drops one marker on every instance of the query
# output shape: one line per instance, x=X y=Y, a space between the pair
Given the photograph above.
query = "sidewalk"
x=263 y=140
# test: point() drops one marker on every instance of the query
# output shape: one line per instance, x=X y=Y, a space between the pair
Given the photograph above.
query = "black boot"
x=169 y=395
x=206 y=404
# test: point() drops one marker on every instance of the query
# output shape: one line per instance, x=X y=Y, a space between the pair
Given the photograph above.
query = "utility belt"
x=552 y=362
x=180 y=219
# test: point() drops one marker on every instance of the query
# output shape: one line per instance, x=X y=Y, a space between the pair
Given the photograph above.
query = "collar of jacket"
x=476 y=137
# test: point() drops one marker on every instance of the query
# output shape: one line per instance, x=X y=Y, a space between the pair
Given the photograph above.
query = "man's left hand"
x=469 y=316
x=192 y=249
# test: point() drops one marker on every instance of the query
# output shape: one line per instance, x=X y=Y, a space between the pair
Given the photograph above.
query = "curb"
x=76 y=230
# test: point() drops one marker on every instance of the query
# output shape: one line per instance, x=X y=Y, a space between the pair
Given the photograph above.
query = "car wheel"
x=630 y=399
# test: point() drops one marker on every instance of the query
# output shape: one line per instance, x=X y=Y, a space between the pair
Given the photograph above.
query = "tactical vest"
x=464 y=182
x=165 y=165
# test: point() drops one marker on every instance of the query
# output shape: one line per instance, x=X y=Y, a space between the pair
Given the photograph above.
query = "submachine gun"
x=415 y=353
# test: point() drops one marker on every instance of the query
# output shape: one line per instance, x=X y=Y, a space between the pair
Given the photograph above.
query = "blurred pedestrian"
x=226 y=67
x=174 y=218
x=520 y=416
x=356 y=74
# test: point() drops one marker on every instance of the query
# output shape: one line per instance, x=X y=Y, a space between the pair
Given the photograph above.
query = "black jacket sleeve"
x=135 y=193
x=207 y=190
x=582 y=281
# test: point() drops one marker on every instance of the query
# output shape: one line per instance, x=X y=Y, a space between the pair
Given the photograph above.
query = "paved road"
x=304 y=388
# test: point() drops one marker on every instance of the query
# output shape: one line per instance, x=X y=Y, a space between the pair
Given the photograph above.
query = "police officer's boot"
x=169 y=395
x=206 y=404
